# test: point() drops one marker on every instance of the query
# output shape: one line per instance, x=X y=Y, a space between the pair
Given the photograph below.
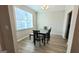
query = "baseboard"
x=22 y=38
x=57 y=34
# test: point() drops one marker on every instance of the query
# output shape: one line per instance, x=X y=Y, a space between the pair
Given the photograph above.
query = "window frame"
x=15 y=19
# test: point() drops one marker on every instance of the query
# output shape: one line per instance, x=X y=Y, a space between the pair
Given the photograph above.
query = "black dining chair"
x=31 y=34
x=36 y=37
x=48 y=35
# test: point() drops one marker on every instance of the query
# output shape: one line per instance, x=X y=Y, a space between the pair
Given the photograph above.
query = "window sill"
x=24 y=29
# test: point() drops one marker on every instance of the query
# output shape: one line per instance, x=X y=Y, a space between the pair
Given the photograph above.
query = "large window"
x=24 y=19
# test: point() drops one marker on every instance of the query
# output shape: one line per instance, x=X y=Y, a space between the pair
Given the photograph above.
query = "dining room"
x=39 y=29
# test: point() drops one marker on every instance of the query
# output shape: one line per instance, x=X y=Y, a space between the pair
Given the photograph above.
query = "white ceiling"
x=51 y=8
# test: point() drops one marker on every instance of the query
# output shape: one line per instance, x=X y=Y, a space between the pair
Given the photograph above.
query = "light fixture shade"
x=44 y=7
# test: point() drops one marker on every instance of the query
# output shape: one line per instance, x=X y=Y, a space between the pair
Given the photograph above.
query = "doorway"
x=68 y=24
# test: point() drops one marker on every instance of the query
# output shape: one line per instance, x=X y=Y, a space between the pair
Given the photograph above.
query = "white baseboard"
x=22 y=38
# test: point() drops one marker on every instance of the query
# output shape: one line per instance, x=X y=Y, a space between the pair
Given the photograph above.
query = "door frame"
x=75 y=43
x=13 y=25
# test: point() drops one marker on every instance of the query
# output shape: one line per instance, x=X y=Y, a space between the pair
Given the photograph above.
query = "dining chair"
x=31 y=34
x=36 y=37
x=48 y=35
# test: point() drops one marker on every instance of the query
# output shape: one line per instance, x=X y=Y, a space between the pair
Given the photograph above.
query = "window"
x=24 y=19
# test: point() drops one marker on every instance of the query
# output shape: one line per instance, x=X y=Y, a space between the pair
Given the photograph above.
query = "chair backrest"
x=48 y=33
x=35 y=33
x=45 y=27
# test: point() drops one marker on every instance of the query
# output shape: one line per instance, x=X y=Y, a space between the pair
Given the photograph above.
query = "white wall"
x=53 y=19
x=23 y=33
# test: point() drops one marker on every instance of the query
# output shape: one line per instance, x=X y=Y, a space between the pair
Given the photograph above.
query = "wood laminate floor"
x=56 y=45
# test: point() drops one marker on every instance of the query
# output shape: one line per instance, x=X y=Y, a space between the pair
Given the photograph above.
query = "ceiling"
x=51 y=8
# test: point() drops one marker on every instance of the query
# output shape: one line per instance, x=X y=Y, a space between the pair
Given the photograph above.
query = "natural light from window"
x=24 y=19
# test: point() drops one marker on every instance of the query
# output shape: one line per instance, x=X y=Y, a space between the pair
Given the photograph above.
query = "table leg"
x=34 y=41
x=44 y=40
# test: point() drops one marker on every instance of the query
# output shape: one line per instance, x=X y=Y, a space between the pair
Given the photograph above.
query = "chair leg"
x=34 y=42
x=42 y=40
x=39 y=43
x=47 y=40
x=30 y=37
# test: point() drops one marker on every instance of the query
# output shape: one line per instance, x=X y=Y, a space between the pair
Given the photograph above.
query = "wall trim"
x=22 y=38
